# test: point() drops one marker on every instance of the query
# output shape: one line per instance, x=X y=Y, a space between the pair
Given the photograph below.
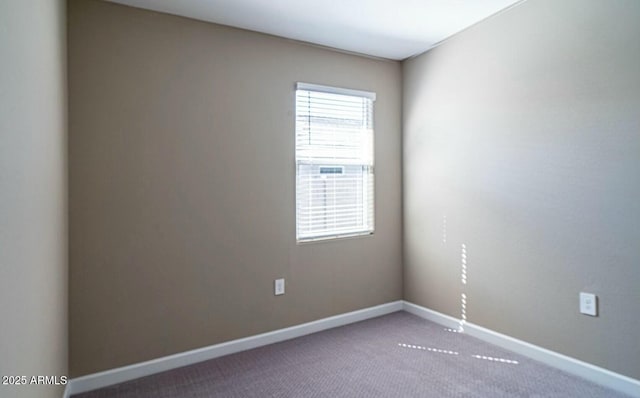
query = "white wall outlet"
x=588 y=304
x=279 y=286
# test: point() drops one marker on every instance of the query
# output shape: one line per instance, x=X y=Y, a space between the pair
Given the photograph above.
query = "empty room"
x=319 y=198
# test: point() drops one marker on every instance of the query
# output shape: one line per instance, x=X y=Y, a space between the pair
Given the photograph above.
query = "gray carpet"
x=397 y=355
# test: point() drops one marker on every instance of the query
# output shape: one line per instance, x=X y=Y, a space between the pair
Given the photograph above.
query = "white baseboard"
x=119 y=375
x=593 y=373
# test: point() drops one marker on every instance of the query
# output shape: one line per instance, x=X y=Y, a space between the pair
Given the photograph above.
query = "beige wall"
x=33 y=212
x=524 y=131
x=182 y=187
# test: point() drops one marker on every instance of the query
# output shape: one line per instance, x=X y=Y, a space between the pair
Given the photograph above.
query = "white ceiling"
x=394 y=29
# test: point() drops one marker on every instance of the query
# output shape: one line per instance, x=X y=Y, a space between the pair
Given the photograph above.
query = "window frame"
x=340 y=91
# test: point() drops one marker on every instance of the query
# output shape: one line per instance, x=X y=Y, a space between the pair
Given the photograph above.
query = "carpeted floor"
x=397 y=355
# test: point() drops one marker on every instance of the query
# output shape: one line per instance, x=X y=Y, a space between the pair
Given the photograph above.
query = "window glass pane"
x=334 y=164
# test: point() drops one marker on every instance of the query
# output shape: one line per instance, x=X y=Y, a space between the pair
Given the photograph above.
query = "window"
x=334 y=162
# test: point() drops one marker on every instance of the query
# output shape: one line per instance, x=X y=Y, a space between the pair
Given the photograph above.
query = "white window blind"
x=334 y=162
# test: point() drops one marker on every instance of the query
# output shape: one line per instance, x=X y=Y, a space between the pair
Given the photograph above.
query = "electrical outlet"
x=279 y=286
x=588 y=304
